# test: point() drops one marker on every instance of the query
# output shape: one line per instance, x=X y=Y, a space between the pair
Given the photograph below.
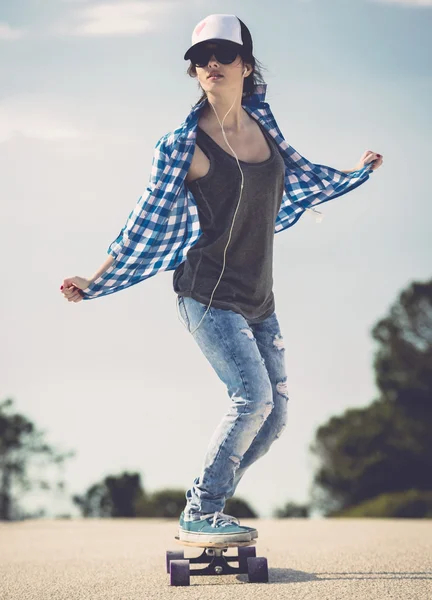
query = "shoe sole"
x=219 y=538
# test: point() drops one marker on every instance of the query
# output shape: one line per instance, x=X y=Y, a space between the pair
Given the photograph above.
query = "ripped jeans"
x=249 y=359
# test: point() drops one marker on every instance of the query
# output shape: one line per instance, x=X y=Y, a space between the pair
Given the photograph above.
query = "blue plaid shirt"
x=164 y=224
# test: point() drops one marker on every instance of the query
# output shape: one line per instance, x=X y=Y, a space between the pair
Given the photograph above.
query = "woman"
x=222 y=184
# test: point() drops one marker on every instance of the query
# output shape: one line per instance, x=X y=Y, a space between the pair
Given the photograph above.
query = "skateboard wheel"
x=173 y=555
x=243 y=553
x=257 y=569
x=179 y=572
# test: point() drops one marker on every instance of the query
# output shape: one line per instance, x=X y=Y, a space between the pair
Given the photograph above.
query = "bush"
x=412 y=504
x=169 y=503
x=240 y=509
x=291 y=510
x=163 y=504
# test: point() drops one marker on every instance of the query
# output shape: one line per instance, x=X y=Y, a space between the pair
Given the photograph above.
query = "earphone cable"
x=235 y=214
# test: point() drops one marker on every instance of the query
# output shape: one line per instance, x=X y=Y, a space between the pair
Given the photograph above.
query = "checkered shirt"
x=164 y=224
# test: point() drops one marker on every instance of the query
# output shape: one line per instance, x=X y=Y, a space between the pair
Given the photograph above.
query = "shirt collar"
x=258 y=96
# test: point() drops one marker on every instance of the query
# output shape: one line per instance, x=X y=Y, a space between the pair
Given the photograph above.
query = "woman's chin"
x=213 y=84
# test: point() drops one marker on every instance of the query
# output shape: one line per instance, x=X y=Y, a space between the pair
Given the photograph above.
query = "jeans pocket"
x=182 y=312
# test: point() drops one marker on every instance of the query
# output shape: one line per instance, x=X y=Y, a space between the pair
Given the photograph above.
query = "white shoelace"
x=220 y=518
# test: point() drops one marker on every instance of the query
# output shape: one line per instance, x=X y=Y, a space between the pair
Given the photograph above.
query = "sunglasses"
x=225 y=53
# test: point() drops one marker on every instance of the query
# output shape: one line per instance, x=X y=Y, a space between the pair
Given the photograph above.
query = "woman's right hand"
x=71 y=288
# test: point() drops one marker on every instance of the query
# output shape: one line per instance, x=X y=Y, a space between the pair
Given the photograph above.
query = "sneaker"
x=253 y=532
x=214 y=528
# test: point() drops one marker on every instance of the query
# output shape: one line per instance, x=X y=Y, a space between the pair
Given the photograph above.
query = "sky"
x=86 y=90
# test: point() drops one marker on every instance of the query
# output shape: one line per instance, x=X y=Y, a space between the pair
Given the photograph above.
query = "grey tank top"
x=247 y=281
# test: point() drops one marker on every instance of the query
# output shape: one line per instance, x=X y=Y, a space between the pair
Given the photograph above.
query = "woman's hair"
x=249 y=82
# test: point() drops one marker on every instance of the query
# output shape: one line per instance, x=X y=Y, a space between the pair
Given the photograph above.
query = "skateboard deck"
x=179 y=567
x=214 y=544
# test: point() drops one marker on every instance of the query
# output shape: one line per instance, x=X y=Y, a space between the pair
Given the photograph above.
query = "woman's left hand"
x=370 y=157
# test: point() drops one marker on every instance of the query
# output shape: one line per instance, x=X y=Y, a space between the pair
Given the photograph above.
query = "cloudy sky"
x=86 y=89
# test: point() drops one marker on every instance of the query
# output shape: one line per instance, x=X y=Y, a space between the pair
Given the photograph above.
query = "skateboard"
x=180 y=572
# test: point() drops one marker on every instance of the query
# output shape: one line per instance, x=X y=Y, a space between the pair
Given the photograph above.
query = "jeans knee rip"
x=279 y=342
x=282 y=388
x=248 y=332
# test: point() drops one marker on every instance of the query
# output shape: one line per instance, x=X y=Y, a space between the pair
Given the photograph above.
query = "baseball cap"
x=221 y=27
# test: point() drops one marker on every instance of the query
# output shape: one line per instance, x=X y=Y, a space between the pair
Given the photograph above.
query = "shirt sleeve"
x=141 y=227
x=308 y=184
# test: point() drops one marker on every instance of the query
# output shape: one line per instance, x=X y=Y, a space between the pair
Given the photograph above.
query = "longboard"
x=217 y=564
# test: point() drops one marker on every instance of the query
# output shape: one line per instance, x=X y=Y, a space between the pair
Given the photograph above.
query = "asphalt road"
x=124 y=559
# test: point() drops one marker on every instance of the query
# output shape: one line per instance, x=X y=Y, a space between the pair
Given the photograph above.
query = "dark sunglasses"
x=224 y=53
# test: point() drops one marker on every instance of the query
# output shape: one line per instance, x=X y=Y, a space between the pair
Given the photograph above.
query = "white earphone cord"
x=235 y=214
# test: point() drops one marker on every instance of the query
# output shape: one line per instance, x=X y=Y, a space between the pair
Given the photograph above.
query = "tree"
x=237 y=507
x=292 y=510
x=410 y=504
x=162 y=504
x=123 y=496
x=21 y=446
x=169 y=503
x=115 y=496
x=403 y=361
x=385 y=447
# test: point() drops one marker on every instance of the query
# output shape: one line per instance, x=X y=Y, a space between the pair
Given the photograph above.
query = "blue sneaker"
x=214 y=528
x=253 y=532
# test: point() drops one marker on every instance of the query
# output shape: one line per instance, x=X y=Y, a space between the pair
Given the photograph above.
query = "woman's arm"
x=73 y=286
x=109 y=261
x=142 y=242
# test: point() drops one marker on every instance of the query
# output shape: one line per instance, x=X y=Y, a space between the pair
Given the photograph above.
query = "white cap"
x=221 y=27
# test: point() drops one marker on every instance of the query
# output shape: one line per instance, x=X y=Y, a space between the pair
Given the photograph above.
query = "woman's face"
x=229 y=76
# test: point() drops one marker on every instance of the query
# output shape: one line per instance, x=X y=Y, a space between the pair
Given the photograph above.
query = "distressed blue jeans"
x=249 y=359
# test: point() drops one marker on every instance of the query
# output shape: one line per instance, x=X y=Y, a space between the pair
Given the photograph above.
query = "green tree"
x=237 y=507
x=22 y=448
x=166 y=503
x=385 y=447
x=123 y=496
x=169 y=503
x=115 y=496
x=292 y=510
x=408 y=504
x=403 y=361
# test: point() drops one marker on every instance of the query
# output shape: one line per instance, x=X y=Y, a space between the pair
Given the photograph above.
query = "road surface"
x=124 y=559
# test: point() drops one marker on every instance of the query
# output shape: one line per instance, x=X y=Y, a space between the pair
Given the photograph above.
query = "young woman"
x=222 y=184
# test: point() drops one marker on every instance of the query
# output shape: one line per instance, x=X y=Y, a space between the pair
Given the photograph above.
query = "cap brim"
x=187 y=54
